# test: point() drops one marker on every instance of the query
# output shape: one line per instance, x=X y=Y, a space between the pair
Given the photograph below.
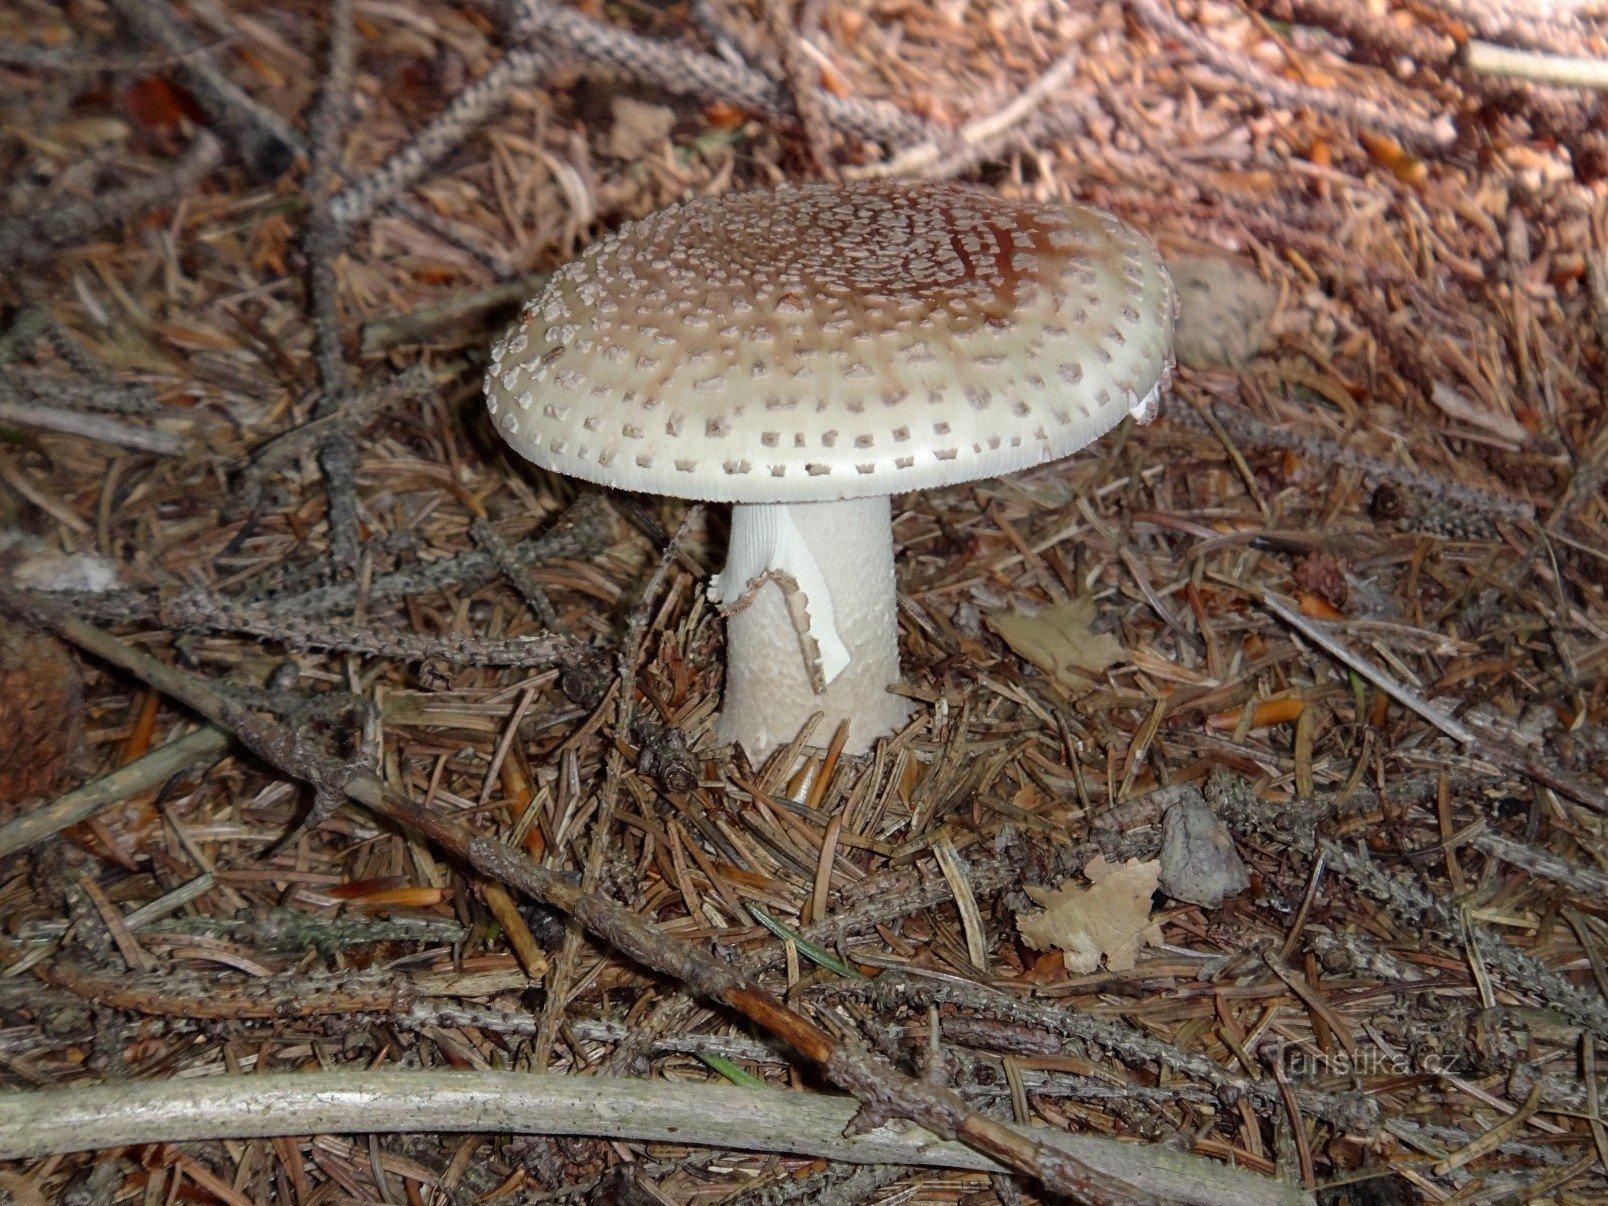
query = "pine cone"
x=41 y=712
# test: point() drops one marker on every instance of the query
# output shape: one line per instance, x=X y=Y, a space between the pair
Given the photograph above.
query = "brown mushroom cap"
x=830 y=342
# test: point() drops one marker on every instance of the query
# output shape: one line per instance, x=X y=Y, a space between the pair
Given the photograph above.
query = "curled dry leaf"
x=1110 y=918
x=1059 y=640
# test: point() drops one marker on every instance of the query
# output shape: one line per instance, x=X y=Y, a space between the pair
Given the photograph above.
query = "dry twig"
x=265 y=142
x=33 y=240
x=471 y=108
x=337 y=454
x=809 y=1124
x=1488 y=58
x=91 y=427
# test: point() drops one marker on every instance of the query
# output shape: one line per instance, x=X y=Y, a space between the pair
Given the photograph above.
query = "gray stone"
x=1199 y=864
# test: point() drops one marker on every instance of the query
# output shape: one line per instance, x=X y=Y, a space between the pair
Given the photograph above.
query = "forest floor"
x=1347 y=593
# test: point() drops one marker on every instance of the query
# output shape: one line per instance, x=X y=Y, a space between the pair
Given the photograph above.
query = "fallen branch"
x=91 y=427
x=213 y=614
x=265 y=142
x=1347 y=1111
x=105 y=397
x=541 y=607
x=204 y=745
x=467 y=111
x=1535 y=67
x=583 y=529
x=1415 y=907
x=321 y=246
x=187 y=993
x=690 y=73
x=1246 y=428
x=712 y=1115
x=783 y=20
x=345 y=422
x=34 y=240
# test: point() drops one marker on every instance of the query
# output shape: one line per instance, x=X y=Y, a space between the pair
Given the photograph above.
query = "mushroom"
x=807 y=353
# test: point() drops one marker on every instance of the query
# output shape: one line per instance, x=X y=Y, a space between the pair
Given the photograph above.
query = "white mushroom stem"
x=812 y=623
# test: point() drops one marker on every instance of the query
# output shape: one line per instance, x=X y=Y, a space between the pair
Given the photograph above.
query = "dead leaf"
x=1110 y=918
x=157 y=103
x=639 y=129
x=1058 y=640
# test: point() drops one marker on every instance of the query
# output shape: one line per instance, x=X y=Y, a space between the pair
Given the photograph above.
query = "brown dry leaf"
x=1058 y=640
x=1111 y=918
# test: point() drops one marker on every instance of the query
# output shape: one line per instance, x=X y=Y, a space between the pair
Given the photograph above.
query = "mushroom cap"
x=830 y=342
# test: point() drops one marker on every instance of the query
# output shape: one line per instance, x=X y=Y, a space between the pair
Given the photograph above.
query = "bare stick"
x=883 y=1091
x=204 y=745
x=355 y=1101
x=337 y=455
x=91 y=427
x=455 y=314
x=1409 y=129
x=1534 y=66
x=466 y=112
x=264 y=141
x=1593 y=885
x=33 y=240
